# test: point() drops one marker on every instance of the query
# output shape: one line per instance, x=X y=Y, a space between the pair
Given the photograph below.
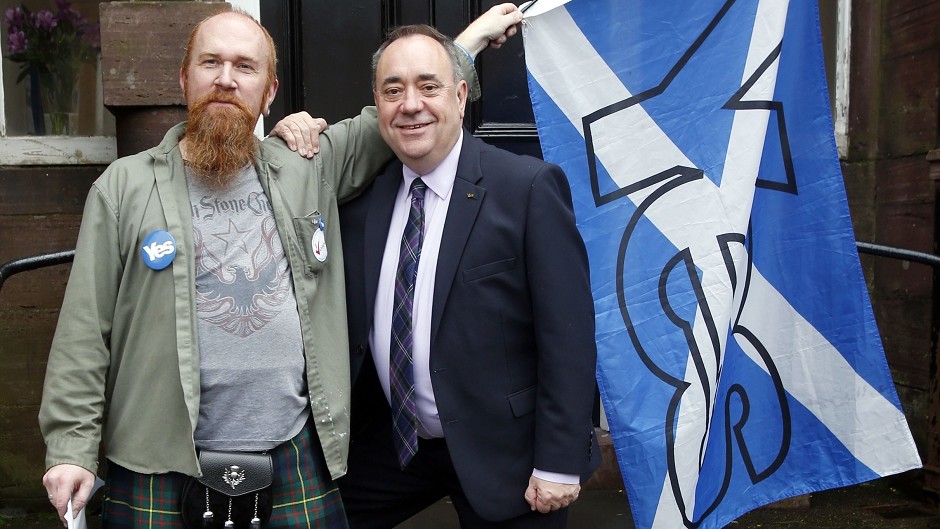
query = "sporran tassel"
x=256 y=522
x=229 y=524
x=207 y=516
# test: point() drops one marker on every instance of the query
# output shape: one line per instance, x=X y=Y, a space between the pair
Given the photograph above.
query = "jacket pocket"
x=489 y=269
x=313 y=244
x=522 y=402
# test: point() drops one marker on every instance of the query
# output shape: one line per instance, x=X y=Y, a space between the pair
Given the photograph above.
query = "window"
x=90 y=138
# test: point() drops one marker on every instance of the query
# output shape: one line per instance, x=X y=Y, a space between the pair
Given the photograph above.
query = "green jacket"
x=124 y=364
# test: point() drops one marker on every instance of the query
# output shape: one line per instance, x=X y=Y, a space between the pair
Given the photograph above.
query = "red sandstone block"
x=142 y=44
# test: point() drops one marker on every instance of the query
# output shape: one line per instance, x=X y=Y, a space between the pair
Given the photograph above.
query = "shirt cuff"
x=555 y=477
x=465 y=50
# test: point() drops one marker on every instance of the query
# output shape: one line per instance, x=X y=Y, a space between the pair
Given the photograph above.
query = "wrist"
x=471 y=55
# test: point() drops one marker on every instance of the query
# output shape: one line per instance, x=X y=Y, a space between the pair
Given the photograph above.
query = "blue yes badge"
x=158 y=250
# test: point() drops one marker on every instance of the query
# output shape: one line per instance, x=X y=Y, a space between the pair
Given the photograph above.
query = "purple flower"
x=67 y=14
x=17 y=42
x=52 y=42
x=15 y=18
x=45 y=20
x=92 y=35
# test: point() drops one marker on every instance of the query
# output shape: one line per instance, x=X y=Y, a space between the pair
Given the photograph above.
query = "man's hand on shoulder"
x=493 y=28
x=63 y=482
x=301 y=132
x=546 y=496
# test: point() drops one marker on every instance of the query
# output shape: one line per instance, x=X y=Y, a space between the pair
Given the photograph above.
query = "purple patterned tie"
x=401 y=373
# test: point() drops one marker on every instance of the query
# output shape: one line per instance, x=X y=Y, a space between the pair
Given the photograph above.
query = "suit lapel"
x=378 y=218
x=465 y=202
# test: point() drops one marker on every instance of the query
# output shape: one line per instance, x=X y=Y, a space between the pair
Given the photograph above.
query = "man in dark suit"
x=470 y=312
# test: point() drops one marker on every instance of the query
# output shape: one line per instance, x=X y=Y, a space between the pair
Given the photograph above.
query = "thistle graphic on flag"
x=738 y=358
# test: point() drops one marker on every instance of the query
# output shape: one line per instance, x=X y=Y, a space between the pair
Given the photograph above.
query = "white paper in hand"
x=80 y=523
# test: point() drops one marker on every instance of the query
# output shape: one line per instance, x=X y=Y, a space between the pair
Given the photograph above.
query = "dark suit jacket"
x=512 y=332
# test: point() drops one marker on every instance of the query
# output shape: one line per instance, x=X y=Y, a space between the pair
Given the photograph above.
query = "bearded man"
x=205 y=310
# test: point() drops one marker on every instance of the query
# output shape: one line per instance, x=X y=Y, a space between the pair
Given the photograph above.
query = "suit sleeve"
x=563 y=315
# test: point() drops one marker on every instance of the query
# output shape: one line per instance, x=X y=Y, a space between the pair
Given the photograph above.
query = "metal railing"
x=898 y=253
x=32 y=263
x=50 y=259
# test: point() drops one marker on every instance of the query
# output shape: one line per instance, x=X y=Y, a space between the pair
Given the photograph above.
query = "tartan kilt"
x=302 y=492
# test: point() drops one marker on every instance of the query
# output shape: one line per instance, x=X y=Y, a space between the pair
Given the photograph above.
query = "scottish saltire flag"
x=738 y=358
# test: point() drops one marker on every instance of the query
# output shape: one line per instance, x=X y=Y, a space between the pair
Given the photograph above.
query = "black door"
x=325 y=50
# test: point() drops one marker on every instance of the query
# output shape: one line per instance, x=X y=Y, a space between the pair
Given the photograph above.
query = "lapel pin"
x=471 y=195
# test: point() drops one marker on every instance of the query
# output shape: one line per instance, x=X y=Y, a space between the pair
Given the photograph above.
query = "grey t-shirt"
x=253 y=388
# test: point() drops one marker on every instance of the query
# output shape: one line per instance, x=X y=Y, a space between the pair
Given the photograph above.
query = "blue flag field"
x=738 y=358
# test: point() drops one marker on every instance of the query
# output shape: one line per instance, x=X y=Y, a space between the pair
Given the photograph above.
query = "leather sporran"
x=234 y=491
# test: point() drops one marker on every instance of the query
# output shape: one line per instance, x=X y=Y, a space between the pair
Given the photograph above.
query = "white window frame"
x=74 y=150
x=53 y=150
x=253 y=8
x=843 y=56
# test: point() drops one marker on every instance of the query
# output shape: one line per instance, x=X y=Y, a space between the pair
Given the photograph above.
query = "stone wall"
x=895 y=74
x=40 y=212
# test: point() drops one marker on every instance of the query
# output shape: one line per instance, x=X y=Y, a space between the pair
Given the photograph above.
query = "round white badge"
x=319 y=245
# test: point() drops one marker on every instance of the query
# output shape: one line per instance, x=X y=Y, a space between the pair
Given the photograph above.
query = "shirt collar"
x=441 y=179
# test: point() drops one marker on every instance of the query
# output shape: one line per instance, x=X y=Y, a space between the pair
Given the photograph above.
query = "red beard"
x=220 y=140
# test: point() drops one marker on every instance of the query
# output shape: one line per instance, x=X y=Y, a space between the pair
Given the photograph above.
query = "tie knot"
x=417 y=188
